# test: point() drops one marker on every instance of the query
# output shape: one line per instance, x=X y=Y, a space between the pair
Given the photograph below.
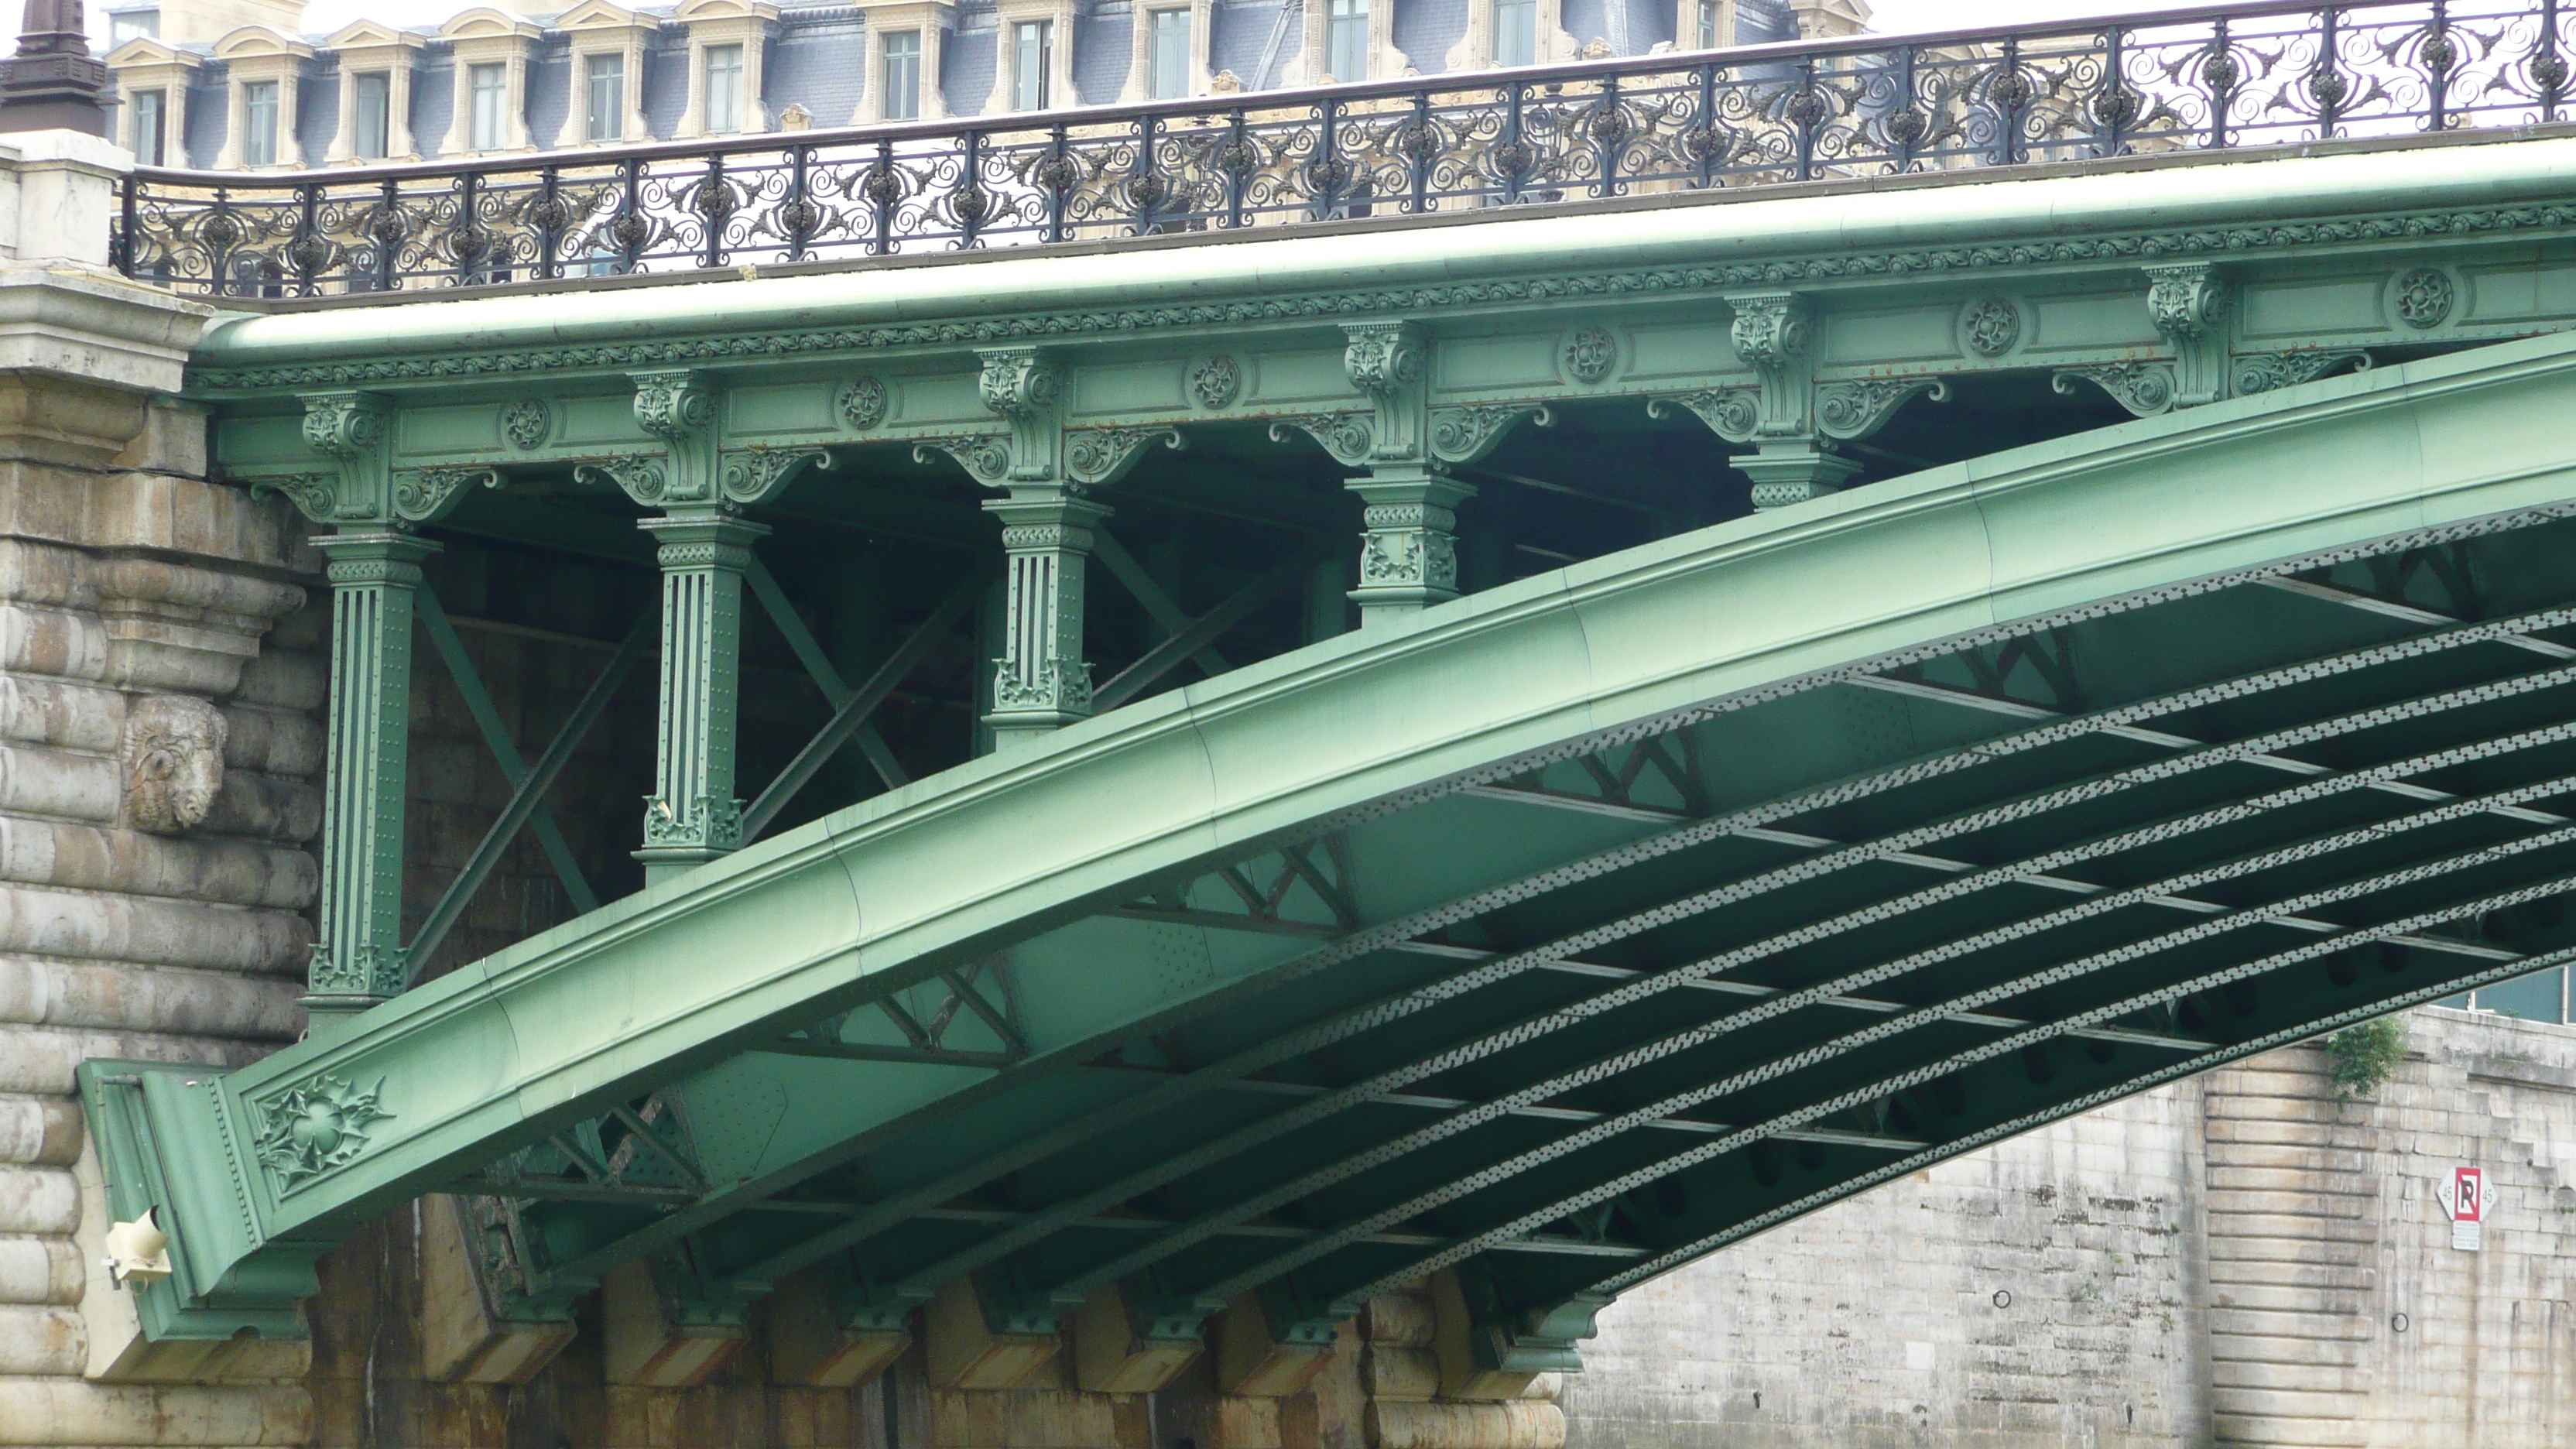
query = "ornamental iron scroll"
x=985 y=455
x=425 y=495
x=2144 y=388
x=1733 y=413
x=1463 y=435
x=1851 y=411
x=753 y=474
x=314 y=1127
x=640 y=476
x=2265 y=371
x=1098 y=457
x=2220 y=78
x=1347 y=436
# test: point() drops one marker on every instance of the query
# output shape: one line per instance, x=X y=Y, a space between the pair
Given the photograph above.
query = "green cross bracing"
x=1554 y=929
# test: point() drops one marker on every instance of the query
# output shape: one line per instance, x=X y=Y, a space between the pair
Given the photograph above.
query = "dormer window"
x=489 y=109
x=152 y=80
x=608 y=43
x=263 y=70
x=904 y=43
x=373 y=95
x=727 y=39
x=374 y=86
x=724 y=89
x=1032 y=56
x=127 y=25
x=1170 y=58
x=1705 y=24
x=902 y=81
x=604 y=97
x=259 y=123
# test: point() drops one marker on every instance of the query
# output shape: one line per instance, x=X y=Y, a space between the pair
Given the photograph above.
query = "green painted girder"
x=1560 y=934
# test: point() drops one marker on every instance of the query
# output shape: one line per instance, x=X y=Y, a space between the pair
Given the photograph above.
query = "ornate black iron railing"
x=2219 y=77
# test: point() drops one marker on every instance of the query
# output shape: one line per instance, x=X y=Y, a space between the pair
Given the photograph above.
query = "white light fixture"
x=138 y=1252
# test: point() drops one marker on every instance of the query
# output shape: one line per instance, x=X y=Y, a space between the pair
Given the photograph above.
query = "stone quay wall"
x=2239 y=1259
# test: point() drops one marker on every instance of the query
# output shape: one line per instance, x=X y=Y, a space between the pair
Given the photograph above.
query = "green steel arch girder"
x=1562 y=934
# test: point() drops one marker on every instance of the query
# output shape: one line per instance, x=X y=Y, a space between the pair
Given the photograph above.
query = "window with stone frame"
x=724 y=89
x=148 y=130
x=374 y=99
x=488 y=93
x=1032 y=61
x=1167 y=59
x=902 y=79
x=603 y=93
x=1346 y=39
x=1515 y=32
x=259 y=123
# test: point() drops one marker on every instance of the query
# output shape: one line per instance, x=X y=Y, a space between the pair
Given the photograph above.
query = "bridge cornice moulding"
x=2292 y=210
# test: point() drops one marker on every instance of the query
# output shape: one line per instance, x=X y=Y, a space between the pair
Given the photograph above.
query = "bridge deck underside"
x=1572 y=1025
x=1558 y=936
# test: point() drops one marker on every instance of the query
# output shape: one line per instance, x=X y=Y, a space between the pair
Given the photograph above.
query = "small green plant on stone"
x=2365 y=1056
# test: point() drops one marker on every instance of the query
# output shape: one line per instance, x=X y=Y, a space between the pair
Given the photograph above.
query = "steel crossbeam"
x=529 y=789
x=851 y=710
x=818 y=667
x=1778 y=1003
x=1195 y=635
x=1740 y=1080
x=505 y=751
x=1735 y=1141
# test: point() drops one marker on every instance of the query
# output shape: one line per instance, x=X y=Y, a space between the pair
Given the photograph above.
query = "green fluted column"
x=359 y=959
x=1042 y=682
x=693 y=816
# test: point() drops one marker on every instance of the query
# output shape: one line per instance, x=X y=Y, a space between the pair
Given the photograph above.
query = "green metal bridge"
x=1845 y=671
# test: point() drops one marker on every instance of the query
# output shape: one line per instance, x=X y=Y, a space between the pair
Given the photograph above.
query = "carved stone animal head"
x=173 y=760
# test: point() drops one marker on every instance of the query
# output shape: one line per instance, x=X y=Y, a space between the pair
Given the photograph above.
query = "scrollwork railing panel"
x=2217 y=78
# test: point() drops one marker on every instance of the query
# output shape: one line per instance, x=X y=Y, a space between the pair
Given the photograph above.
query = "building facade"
x=224 y=88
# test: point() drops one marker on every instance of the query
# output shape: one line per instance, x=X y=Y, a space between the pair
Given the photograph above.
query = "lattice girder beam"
x=1305 y=1173
x=1120 y=1189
